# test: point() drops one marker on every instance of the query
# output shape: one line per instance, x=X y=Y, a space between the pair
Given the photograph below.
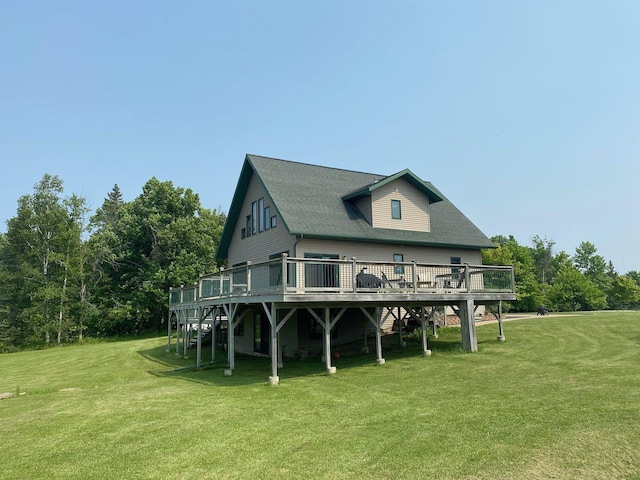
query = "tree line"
x=563 y=282
x=66 y=273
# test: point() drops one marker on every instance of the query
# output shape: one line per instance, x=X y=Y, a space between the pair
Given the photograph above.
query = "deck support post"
x=423 y=319
x=213 y=336
x=377 y=322
x=199 y=343
x=379 y=359
x=434 y=311
x=178 y=333
x=468 y=326
x=169 y=334
x=231 y=347
x=327 y=341
x=500 y=330
x=274 y=379
x=403 y=344
x=185 y=338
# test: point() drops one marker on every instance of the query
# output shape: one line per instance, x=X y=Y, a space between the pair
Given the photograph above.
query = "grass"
x=558 y=399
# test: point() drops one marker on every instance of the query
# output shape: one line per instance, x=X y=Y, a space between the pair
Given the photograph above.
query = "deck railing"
x=307 y=275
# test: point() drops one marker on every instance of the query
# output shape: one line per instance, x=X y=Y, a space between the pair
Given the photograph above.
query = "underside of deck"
x=326 y=289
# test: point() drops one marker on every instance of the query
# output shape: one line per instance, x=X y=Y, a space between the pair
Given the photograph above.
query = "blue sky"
x=525 y=114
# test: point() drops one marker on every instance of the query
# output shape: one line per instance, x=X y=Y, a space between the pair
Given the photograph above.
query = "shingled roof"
x=314 y=201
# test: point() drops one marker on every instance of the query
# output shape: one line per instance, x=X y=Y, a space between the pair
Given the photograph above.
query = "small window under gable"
x=396 y=210
x=398 y=269
x=267 y=218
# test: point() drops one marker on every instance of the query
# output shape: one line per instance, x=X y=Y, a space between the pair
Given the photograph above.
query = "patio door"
x=261 y=330
x=321 y=274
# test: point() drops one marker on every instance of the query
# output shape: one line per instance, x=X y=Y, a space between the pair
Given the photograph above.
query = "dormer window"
x=396 y=210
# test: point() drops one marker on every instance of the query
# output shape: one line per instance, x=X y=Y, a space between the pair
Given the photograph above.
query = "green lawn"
x=559 y=399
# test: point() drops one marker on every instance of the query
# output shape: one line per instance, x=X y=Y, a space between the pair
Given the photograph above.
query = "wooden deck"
x=280 y=287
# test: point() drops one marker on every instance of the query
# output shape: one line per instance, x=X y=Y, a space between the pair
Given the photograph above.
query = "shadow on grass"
x=256 y=370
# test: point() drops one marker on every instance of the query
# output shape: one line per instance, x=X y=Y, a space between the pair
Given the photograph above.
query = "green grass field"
x=559 y=399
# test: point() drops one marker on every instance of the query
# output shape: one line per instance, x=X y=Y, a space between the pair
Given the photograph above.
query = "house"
x=320 y=255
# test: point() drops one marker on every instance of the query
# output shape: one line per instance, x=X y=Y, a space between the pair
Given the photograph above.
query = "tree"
x=162 y=238
x=101 y=304
x=624 y=292
x=528 y=292
x=7 y=332
x=35 y=237
x=543 y=258
x=571 y=290
x=72 y=261
x=592 y=265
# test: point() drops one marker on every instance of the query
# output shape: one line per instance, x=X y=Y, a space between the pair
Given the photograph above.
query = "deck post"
x=468 y=326
x=434 y=311
x=327 y=341
x=231 y=342
x=273 y=379
x=425 y=348
x=500 y=330
x=199 y=343
x=354 y=274
x=213 y=336
x=230 y=312
x=178 y=333
x=248 y=277
x=185 y=337
x=400 y=319
x=414 y=275
x=284 y=272
x=169 y=334
x=467 y=277
x=379 y=359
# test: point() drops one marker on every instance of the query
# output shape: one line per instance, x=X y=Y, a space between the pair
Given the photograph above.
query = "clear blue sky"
x=525 y=114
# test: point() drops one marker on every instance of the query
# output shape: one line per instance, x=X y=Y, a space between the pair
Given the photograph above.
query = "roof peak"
x=381 y=176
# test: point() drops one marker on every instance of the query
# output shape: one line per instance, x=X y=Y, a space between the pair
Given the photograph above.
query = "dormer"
x=397 y=202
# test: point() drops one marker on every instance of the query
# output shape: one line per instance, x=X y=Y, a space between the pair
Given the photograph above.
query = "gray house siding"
x=257 y=247
x=384 y=252
x=415 y=207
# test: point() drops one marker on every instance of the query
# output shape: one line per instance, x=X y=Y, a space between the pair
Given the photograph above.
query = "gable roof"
x=313 y=201
x=405 y=174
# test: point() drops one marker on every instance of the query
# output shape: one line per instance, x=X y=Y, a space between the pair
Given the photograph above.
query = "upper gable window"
x=396 y=210
x=267 y=218
x=260 y=219
x=254 y=217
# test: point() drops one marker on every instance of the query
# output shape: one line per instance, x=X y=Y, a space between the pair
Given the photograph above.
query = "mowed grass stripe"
x=558 y=399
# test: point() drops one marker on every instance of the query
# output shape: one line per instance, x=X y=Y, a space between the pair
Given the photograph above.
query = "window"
x=322 y=274
x=243 y=233
x=398 y=269
x=396 y=210
x=254 y=219
x=239 y=330
x=267 y=218
x=260 y=219
x=316 y=331
x=455 y=272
